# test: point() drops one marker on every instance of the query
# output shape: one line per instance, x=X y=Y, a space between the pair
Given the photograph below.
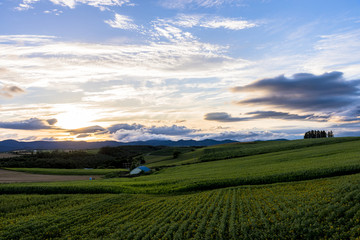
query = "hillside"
x=240 y=149
x=319 y=159
x=298 y=190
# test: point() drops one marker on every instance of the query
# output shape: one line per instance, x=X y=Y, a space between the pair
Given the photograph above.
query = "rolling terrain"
x=301 y=189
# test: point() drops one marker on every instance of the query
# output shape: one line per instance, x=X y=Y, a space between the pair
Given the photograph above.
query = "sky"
x=131 y=70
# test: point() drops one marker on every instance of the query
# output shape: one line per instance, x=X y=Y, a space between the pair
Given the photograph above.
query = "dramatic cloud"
x=122 y=22
x=10 y=91
x=209 y=21
x=30 y=124
x=225 y=117
x=304 y=91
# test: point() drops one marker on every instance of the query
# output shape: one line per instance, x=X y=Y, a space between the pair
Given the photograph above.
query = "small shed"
x=139 y=170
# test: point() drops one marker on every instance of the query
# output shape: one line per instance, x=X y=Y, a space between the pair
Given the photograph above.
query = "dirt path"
x=13 y=176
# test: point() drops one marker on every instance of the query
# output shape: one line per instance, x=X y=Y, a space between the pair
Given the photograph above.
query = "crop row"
x=327 y=208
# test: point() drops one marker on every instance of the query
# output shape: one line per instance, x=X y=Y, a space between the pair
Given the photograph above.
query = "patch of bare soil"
x=13 y=177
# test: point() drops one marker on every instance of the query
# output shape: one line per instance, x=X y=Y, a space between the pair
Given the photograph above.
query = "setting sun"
x=75 y=118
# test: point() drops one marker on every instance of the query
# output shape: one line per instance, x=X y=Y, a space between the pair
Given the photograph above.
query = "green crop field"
x=290 y=165
x=304 y=189
x=233 y=150
x=327 y=208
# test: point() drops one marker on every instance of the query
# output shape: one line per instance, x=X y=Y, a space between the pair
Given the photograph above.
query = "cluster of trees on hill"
x=58 y=159
x=318 y=134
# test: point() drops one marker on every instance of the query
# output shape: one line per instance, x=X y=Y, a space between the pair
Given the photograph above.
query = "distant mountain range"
x=12 y=145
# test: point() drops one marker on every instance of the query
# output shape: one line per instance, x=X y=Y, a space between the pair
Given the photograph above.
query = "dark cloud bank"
x=319 y=97
x=29 y=124
x=225 y=117
x=303 y=91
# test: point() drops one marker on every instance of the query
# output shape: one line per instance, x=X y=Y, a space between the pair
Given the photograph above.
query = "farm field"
x=290 y=165
x=57 y=171
x=301 y=190
x=14 y=177
x=233 y=150
x=317 y=209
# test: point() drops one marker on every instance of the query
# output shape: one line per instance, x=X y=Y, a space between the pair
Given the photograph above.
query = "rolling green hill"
x=304 y=189
x=233 y=150
x=308 y=162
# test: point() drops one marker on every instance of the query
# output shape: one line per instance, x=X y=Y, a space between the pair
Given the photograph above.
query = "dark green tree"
x=318 y=134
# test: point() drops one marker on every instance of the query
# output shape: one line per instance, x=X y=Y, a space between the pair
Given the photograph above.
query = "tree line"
x=107 y=157
x=318 y=134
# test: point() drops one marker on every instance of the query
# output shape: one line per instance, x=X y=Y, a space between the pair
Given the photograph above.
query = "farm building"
x=140 y=169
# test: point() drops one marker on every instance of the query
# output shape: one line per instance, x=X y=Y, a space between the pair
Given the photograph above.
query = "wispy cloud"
x=10 y=91
x=58 y=62
x=336 y=51
x=163 y=30
x=102 y=4
x=122 y=22
x=26 y=4
x=210 y=21
x=195 y=3
x=54 y=11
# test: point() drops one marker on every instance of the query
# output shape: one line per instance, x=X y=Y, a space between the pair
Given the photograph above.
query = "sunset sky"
x=130 y=70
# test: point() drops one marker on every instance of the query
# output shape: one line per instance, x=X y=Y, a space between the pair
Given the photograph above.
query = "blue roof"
x=145 y=169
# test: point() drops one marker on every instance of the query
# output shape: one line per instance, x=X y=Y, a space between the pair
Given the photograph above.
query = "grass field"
x=300 y=190
x=233 y=150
